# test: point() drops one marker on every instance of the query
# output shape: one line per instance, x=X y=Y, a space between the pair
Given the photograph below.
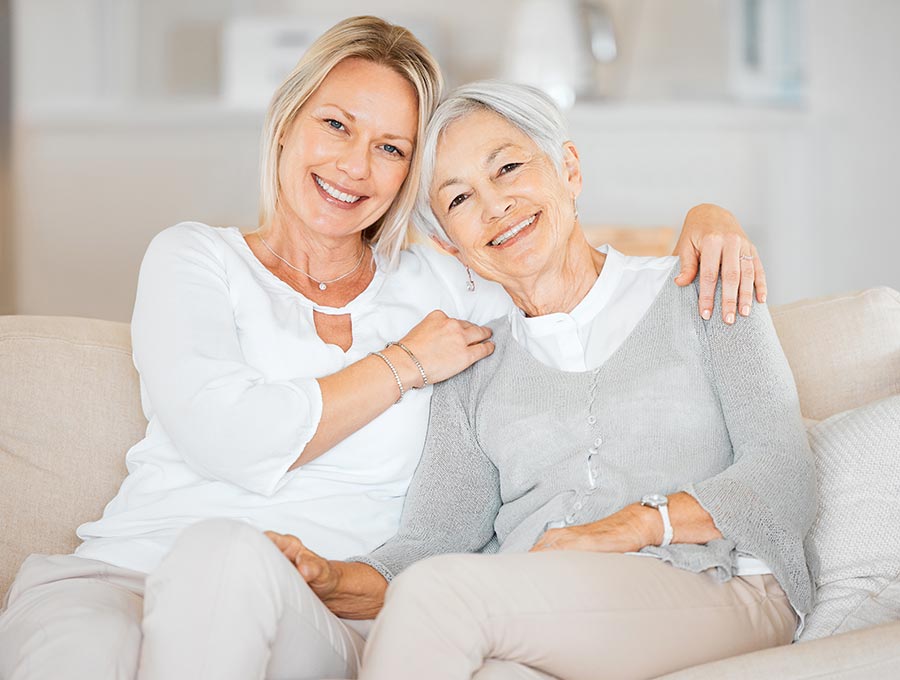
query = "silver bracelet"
x=415 y=361
x=393 y=370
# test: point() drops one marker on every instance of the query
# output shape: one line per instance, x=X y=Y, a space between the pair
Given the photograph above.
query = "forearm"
x=359 y=593
x=356 y=395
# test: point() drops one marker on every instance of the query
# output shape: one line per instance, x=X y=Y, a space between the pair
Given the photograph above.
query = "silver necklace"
x=322 y=284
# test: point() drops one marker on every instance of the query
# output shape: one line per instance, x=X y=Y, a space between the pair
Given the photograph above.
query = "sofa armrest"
x=860 y=655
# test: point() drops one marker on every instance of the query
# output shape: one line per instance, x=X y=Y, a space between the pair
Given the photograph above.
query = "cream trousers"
x=570 y=615
x=225 y=603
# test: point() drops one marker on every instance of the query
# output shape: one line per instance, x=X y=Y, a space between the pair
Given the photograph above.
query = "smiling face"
x=502 y=201
x=348 y=150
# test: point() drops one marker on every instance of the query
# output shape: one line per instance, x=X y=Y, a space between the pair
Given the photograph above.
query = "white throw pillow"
x=854 y=545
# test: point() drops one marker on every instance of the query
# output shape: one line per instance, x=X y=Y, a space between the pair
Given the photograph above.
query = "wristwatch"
x=661 y=503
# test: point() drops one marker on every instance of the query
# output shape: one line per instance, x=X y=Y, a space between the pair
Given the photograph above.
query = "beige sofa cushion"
x=853 y=545
x=69 y=409
x=844 y=351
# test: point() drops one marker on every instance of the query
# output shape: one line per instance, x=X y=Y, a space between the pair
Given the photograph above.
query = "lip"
x=515 y=239
x=331 y=199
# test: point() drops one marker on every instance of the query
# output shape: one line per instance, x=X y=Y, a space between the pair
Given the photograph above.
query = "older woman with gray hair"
x=643 y=474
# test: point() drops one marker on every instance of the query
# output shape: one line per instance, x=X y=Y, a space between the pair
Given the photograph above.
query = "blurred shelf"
x=616 y=114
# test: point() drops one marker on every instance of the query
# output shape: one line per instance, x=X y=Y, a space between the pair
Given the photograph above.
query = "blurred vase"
x=555 y=45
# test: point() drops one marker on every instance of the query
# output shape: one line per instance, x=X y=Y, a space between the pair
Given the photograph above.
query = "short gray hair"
x=522 y=106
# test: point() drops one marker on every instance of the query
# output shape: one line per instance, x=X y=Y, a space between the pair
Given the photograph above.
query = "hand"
x=713 y=236
x=323 y=576
x=444 y=346
x=627 y=530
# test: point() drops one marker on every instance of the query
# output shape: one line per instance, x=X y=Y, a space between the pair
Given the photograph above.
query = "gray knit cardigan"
x=515 y=447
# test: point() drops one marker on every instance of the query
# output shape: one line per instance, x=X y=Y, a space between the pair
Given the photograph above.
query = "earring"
x=470 y=285
x=575 y=206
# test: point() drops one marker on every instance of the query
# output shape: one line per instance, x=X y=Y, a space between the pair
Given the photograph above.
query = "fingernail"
x=745 y=310
x=706 y=313
x=762 y=297
x=730 y=318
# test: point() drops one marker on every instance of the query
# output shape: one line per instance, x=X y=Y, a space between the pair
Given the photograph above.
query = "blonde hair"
x=377 y=41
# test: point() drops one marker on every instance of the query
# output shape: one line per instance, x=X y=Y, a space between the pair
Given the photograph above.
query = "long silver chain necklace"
x=323 y=285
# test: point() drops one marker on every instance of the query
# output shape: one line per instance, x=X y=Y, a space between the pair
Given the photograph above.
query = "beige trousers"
x=570 y=615
x=223 y=604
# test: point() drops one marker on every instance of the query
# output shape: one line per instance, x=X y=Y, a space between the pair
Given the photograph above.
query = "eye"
x=509 y=167
x=393 y=150
x=336 y=124
x=456 y=201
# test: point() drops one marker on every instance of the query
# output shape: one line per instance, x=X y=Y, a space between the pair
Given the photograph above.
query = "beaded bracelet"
x=415 y=361
x=393 y=370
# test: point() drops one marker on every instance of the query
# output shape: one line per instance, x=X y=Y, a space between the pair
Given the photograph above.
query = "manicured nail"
x=706 y=313
x=730 y=318
x=745 y=310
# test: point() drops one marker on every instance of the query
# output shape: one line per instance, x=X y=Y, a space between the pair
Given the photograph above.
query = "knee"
x=214 y=540
x=214 y=545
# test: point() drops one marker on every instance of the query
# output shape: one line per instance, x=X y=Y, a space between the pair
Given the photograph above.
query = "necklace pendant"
x=322 y=286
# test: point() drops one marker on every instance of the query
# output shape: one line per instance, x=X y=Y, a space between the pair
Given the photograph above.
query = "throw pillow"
x=852 y=546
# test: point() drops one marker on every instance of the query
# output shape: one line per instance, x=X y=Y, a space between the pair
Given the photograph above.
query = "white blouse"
x=228 y=357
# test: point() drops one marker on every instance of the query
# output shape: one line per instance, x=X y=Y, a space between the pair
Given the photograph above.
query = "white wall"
x=855 y=102
x=128 y=150
x=6 y=256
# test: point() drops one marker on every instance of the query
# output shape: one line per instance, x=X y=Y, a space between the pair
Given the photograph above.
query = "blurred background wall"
x=6 y=254
x=131 y=115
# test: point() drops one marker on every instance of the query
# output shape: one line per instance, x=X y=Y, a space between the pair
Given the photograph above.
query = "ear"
x=572 y=168
x=446 y=246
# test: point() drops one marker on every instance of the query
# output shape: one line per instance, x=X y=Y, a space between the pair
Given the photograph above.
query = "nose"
x=355 y=160
x=495 y=204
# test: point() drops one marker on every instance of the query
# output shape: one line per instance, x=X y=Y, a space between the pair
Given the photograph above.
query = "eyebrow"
x=352 y=119
x=491 y=157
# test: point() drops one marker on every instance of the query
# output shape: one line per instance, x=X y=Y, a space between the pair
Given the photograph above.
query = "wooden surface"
x=633 y=240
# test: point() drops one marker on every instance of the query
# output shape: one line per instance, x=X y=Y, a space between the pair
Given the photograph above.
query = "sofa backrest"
x=844 y=350
x=69 y=410
x=70 y=405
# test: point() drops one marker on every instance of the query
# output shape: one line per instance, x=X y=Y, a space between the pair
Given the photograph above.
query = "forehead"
x=472 y=142
x=370 y=91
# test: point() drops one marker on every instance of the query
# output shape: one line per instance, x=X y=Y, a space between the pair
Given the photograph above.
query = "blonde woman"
x=273 y=396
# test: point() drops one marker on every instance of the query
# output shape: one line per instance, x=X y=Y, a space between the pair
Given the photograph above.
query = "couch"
x=70 y=408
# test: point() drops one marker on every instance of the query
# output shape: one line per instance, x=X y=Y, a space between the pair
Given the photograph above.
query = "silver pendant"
x=322 y=286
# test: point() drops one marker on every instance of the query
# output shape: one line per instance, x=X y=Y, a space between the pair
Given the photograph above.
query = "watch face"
x=654 y=500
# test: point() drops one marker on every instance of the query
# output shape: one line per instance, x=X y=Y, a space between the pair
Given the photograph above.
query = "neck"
x=322 y=257
x=562 y=285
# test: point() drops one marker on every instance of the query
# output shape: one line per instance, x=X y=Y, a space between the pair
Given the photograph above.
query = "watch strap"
x=667 y=526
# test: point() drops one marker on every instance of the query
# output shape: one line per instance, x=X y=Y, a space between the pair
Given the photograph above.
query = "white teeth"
x=506 y=235
x=334 y=193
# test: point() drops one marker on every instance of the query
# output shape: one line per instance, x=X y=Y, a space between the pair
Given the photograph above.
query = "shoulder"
x=187 y=241
x=488 y=300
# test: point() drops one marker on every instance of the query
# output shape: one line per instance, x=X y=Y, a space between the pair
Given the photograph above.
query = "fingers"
x=745 y=296
x=289 y=545
x=731 y=276
x=760 y=273
x=474 y=334
x=710 y=259
x=689 y=265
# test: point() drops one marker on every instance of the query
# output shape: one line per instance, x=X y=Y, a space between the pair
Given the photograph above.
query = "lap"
x=572 y=614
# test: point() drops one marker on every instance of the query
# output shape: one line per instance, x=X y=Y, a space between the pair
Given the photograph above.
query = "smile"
x=335 y=193
x=514 y=231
